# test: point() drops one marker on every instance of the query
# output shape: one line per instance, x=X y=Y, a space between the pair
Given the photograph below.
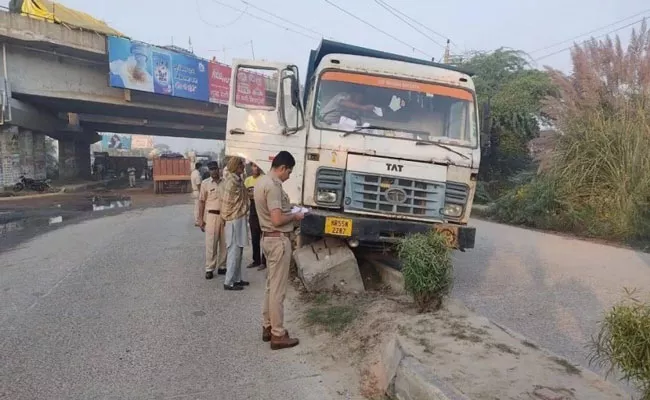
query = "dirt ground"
x=467 y=352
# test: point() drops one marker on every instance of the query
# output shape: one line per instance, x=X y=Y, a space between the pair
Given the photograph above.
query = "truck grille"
x=392 y=195
x=330 y=179
x=456 y=193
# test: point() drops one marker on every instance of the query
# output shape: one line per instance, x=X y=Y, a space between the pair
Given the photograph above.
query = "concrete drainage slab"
x=454 y=354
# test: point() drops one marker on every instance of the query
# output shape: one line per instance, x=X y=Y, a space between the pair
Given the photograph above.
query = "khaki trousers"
x=215 y=242
x=195 y=196
x=278 y=261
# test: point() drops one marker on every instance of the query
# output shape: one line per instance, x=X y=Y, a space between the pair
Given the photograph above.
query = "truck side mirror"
x=295 y=91
x=292 y=113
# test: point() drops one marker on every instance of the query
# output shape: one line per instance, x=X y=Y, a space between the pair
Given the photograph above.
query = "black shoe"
x=209 y=274
x=221 y=271
x=253 y=265
x=233 y=287
x=242 y=283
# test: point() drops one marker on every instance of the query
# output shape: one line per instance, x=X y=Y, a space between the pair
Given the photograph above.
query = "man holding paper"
x=277 y=223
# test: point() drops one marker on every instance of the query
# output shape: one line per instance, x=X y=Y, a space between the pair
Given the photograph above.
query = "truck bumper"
x=375 y=230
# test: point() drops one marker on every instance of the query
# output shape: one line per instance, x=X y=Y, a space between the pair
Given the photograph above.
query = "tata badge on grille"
x=395 y=196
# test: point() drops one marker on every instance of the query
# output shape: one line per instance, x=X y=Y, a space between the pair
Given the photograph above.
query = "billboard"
x=141 y=142
x=146 y=68
x=251 y=88
x=143 y=67
x=115 y=141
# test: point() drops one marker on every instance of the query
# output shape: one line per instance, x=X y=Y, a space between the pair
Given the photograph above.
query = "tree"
x=515 y=93
x=162 y=147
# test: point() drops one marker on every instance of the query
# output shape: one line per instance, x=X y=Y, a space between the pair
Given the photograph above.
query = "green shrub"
x=482 y=195
x=623 y=343
x=427 y=268
x=534 y=203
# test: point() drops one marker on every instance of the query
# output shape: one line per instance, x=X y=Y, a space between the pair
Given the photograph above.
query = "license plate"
x=338 y=226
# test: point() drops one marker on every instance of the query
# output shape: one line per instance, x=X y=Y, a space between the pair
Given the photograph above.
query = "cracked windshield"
x=398 y=108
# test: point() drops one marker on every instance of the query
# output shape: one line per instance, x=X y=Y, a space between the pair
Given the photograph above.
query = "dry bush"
x=601 y=166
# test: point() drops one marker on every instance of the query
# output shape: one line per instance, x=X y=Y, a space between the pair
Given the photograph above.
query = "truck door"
x=265 y=116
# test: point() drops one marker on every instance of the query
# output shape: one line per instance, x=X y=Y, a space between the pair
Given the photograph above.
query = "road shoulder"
x=449 y=354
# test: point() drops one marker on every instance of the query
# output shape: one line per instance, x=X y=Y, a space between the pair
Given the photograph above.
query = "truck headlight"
x=326 y=196
x=452 y=210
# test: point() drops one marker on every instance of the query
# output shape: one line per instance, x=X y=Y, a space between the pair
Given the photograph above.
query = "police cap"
x=213 y=165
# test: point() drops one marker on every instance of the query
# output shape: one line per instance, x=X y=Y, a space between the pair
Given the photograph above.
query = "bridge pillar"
x=22 y=152
x=74 y=159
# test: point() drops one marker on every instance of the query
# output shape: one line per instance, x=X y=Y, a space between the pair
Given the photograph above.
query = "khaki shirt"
x=195 y=178
x=269 y=195
x=211 y=194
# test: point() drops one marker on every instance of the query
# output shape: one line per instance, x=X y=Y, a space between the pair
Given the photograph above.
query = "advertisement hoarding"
x=143 y=67
x=140 y=66
x=141 y=142
x=115 y=141
x=251 y=88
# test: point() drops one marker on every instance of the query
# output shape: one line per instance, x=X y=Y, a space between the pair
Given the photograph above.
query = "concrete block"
x=414 y=382
x=328 y=264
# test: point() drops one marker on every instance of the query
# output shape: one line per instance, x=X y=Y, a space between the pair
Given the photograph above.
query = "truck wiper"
x=376 y=127
x=427 y=143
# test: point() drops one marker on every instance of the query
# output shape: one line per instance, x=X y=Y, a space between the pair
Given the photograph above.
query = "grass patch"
x=334 y=318
x=321 y=299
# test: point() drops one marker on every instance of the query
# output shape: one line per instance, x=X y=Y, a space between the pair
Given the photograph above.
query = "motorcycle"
x=31 y=184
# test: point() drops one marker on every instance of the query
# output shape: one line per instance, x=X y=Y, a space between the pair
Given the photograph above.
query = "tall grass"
x=602 y=170
x=599 y=180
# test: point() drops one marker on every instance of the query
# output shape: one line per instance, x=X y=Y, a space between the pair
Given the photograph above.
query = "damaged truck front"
x=385 y=145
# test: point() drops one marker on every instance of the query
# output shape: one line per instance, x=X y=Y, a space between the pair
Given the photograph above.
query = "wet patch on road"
x=18 y=225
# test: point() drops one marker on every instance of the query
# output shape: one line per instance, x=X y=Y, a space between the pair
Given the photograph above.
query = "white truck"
x=385 y=145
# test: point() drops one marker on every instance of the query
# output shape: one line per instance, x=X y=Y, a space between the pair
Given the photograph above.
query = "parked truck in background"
x=408 y=162
x=171 y=174
x=115 y=167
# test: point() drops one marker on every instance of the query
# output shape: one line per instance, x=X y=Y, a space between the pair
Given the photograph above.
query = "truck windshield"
x=394 y=107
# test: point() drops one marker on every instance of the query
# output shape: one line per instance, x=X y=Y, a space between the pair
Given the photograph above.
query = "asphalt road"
x=550 y=288
x=118 y=308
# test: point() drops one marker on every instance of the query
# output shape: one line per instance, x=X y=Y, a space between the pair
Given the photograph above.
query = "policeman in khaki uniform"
x=211 y=222
x=195 y=180
x=277 y=224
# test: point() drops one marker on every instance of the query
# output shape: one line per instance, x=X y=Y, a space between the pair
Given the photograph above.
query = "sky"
x=215 y=25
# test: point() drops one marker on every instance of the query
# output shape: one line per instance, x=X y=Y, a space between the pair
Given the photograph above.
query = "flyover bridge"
x=56 y=83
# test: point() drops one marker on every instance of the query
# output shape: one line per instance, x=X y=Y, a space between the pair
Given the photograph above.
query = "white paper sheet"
x=296 y=210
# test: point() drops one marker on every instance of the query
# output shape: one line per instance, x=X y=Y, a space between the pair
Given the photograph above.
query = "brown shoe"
x=266 y=334
x=283 y=342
